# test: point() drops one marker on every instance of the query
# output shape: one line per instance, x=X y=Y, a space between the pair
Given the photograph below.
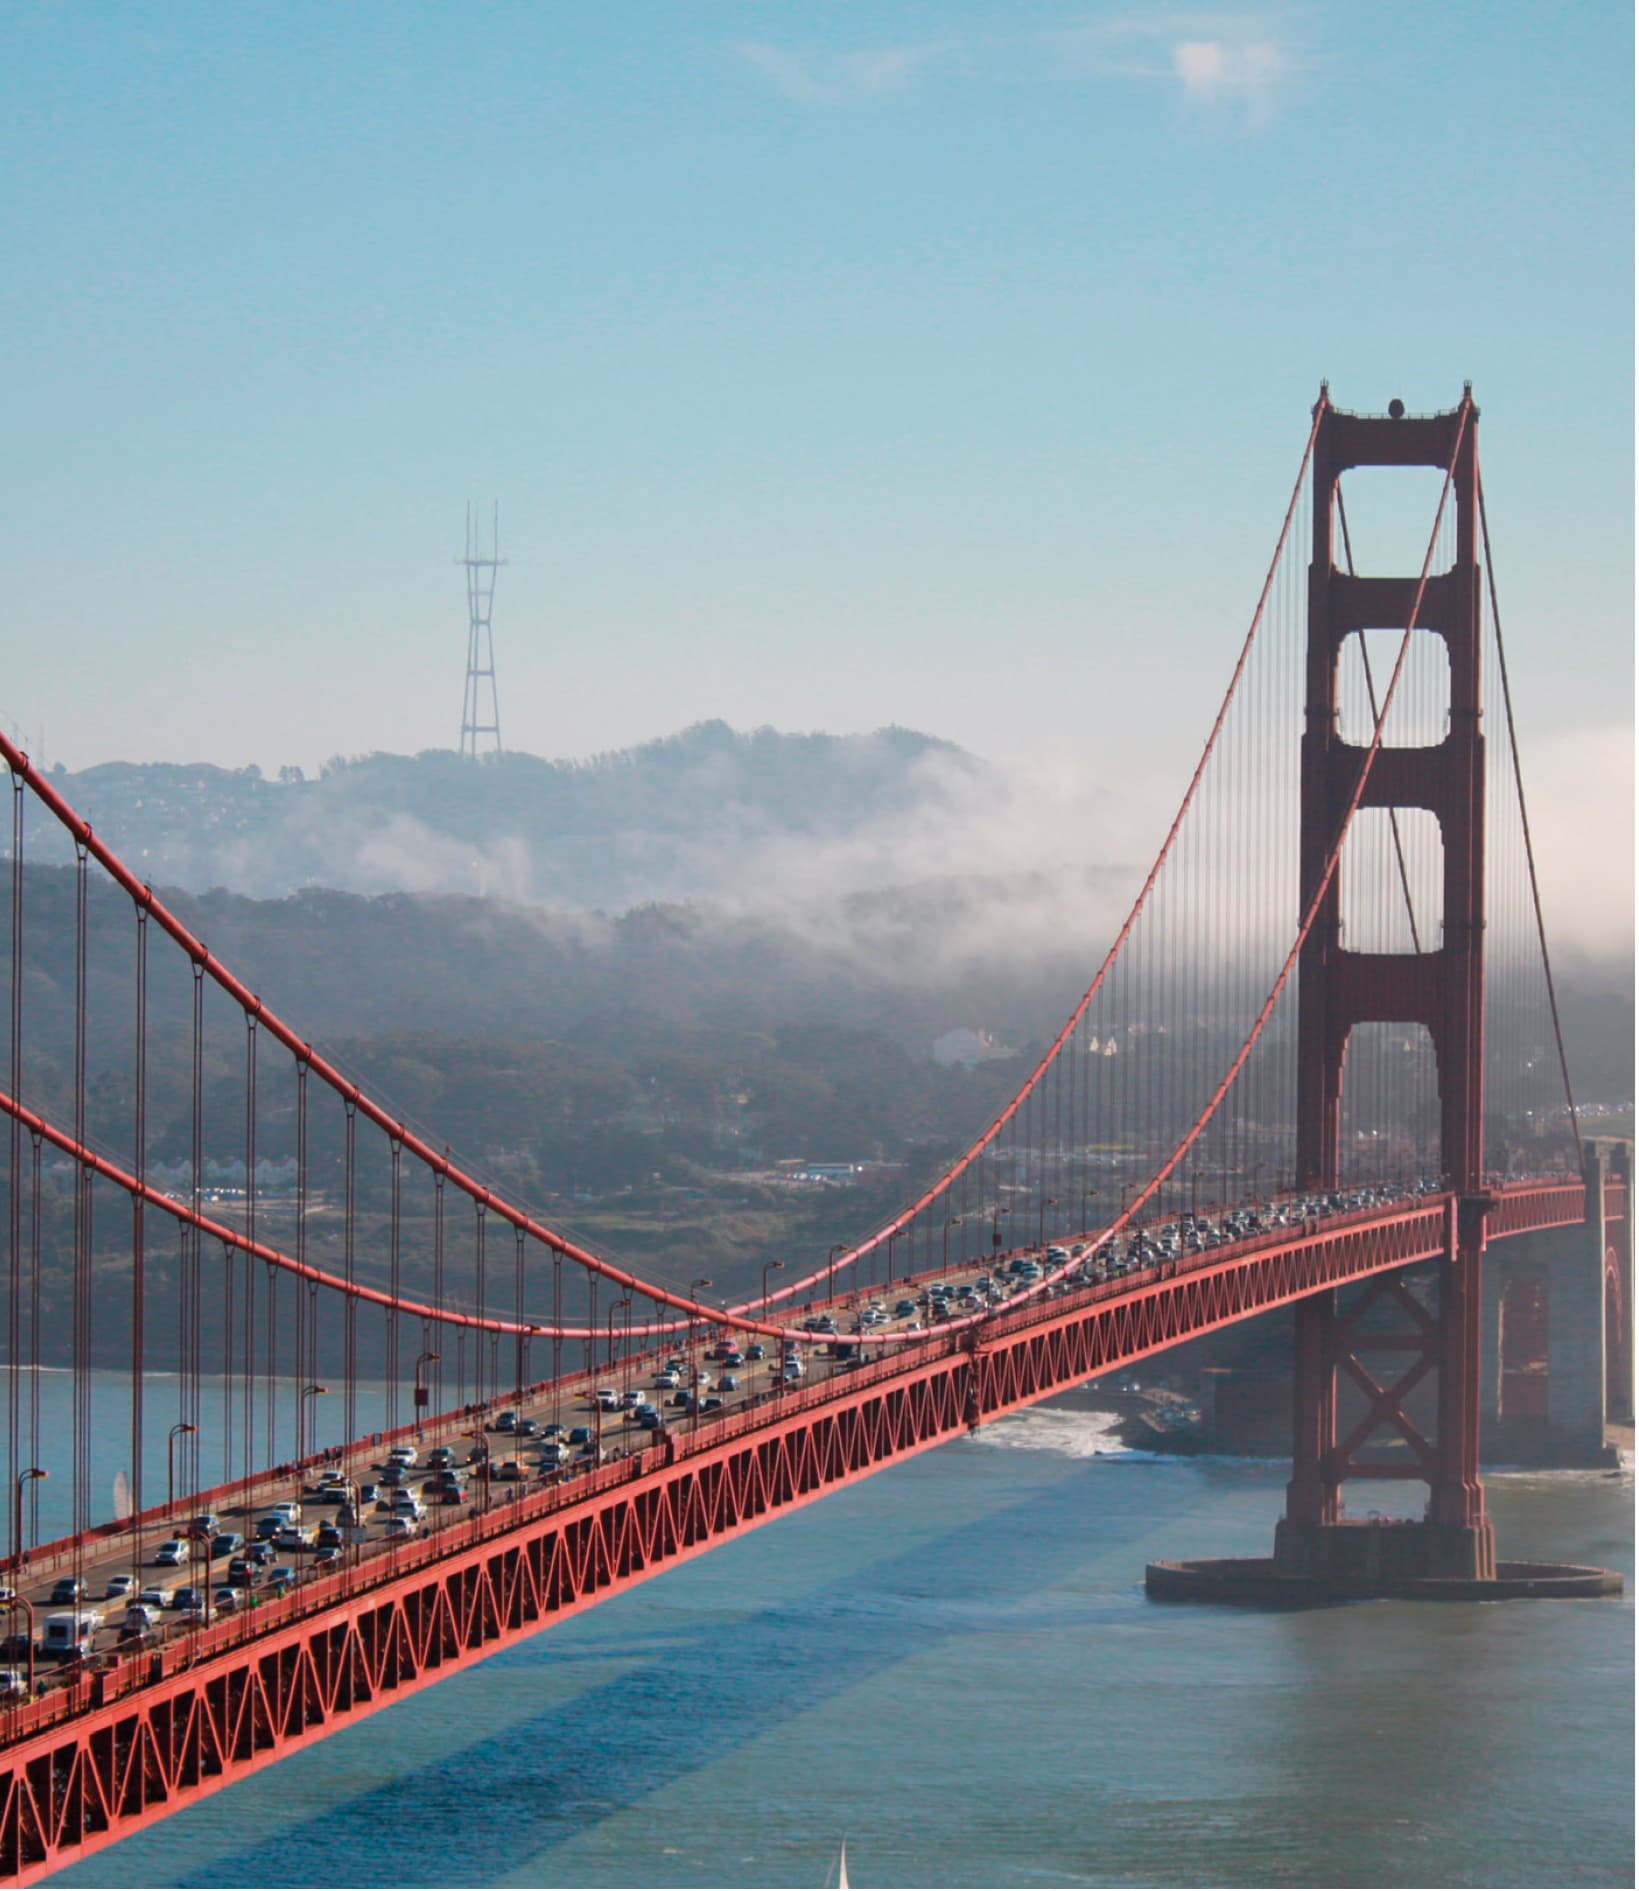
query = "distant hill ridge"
x=668 y=819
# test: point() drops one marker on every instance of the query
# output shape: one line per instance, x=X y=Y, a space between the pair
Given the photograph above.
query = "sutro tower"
x=480 y=643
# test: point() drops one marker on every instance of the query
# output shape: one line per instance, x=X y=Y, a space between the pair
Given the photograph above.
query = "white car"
x=399 y=1526
x=171 y=1555
x=402 y=1454
x=119 y=1586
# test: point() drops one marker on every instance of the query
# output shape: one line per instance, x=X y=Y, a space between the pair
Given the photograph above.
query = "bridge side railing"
x=1538 y=1204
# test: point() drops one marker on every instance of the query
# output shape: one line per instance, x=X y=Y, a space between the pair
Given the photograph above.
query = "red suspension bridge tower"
x=1441 y=988
x=1378 y=1344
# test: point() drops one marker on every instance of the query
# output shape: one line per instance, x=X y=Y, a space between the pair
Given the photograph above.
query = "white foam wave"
x=1067 y=1434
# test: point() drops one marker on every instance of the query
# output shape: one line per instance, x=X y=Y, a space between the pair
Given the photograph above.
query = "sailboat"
x=836 y=1879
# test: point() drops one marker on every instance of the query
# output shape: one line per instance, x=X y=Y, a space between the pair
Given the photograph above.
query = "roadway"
x=573 y=1433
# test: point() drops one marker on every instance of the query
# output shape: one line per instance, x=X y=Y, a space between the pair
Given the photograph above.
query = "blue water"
x=954 y=1665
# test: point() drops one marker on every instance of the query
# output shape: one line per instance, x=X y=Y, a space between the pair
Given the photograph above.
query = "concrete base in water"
x=1256 y=1580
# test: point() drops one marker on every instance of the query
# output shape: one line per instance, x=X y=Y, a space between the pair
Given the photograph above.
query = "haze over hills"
x=705 y=812
x=625 y=988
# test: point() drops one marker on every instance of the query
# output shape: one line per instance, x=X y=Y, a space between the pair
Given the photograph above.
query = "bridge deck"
x=129 y=1743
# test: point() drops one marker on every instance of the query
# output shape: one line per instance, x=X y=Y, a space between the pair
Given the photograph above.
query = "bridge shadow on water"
x=485 y=1808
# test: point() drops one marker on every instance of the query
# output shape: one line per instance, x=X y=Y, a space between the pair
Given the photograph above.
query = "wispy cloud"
x=814 y=78
x=1218 y=59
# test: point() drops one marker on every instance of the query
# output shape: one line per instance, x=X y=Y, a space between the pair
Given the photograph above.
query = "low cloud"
x=1579 y=787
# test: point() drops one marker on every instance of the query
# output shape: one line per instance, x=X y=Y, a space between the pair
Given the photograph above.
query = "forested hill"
x=703 y=812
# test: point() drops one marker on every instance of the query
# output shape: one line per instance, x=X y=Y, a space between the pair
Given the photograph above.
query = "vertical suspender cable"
x=248 y=1423
x=81 y=1429
x=194 y=1244
x=303 y=1344
x=1525 y=828
x=394 y=1265
x=139 y=1233
x=14 y=1312
x=350 y=1310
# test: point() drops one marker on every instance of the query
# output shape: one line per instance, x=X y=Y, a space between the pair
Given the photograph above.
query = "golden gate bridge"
x=1309 y=1071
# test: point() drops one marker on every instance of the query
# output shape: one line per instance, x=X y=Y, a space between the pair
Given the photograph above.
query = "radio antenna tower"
x=480 y=643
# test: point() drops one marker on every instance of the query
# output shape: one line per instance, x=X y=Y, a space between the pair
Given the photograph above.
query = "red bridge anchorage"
x=133 y=1742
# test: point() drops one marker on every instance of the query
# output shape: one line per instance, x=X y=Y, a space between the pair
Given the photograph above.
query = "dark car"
x=329 y=1537
x=580 y=1434
x=244 y=1571
x=68 y=1589
x=226 y=1543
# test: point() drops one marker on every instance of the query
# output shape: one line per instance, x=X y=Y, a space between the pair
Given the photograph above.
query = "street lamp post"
x=525 y=1340
x=704 y=1280
x=183 y=1430
x=951 y=1221
x=622 y=1305
x=996 y=1229
x=837 y=1247
x=892 y=1238
x=308 y=1392
x=1050 y=1201
x=769 y=1267
x=18 y=1552
x=421 y=1393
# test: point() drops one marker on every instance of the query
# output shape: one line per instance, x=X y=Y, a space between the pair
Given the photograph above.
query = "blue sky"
x=940 y=364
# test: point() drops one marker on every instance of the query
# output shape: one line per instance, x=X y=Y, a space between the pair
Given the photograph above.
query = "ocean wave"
x=1079 y=1434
